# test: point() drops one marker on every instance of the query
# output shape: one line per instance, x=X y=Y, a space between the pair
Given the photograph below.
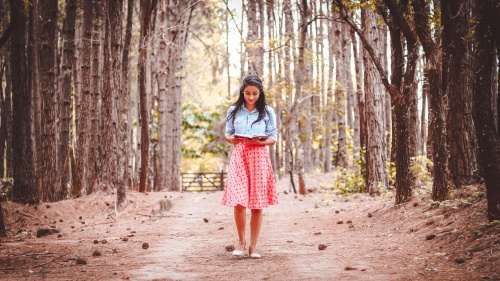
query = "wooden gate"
x=203 y=181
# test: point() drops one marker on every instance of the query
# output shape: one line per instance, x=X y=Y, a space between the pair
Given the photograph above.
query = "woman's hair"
x=250 y=80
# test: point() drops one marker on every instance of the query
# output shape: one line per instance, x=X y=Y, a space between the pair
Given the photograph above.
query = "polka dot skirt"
x=250 y=180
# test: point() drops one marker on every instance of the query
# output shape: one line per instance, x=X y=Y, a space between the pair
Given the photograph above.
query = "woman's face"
x=251 y=94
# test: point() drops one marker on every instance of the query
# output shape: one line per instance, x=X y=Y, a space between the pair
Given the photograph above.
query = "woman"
x=250 y=181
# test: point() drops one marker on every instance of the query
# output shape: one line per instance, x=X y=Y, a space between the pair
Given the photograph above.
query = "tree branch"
x=366 y=45
x=7 y=33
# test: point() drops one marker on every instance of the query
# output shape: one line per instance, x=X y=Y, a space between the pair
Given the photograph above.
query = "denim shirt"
x=243 y=123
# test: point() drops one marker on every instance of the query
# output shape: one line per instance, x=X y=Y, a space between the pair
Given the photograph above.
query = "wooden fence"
x=203 y=181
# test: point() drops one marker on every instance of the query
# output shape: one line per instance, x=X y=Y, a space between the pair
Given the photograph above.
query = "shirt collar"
x=250 y=112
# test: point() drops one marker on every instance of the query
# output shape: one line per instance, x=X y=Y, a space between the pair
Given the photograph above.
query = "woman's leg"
x=240 y=219
x=255 y=224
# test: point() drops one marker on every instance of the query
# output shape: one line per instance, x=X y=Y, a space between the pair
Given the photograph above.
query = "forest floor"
x=364 y=238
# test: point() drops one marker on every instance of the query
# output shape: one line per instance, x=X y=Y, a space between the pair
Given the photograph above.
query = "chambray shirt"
x=243 y=123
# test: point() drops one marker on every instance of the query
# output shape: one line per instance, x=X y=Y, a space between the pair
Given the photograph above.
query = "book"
x=251 y=137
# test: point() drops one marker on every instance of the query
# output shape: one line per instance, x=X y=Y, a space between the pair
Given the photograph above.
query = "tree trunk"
x=178 y=31
x=254 y=44
x=423 y=122
x=146 y=9
x=4 y=109
x=65 y=112
x=374 y=110
x=299 y=76
x=94 y=131
x=34 y=26
x=399 y=88
x=25 y=189
x=460 y=127
x=83 y=112
x=124 y=136
x=437 y=100
x=361 y=135
x=340 y=94
x=329 y=110
x=47 y=77
x=163 y=126
x=110 y=96
x=488 y=139
x=290 y=132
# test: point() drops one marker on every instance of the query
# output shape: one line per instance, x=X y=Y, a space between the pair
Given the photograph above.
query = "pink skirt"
x=250 y=180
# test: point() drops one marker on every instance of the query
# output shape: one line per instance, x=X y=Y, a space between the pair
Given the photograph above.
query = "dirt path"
x=189 y=242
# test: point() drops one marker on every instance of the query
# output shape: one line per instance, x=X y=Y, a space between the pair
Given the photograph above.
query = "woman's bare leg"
x=255 y=224
x=240 y=219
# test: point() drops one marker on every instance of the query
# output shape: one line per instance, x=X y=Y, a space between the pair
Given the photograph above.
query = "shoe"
x=238 y=253
x=255 y=256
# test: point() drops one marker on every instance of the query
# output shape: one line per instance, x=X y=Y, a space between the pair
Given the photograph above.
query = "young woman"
x=250 y=181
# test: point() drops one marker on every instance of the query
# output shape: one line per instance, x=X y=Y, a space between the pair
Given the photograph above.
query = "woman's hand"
x=232 y=140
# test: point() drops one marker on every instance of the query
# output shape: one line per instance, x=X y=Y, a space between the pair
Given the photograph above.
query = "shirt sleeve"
x=229 y=123
x=271 y=128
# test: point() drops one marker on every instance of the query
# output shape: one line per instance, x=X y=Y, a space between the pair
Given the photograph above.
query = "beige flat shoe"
x=238 y=253
x=255 y=256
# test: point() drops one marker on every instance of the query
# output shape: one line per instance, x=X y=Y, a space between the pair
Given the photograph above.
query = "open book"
x=251 y=137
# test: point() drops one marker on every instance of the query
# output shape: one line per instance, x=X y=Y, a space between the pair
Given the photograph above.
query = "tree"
x=456 y=85
x=47 y=64
x=340 y=93
x=83 y=111
x=400 y=88
x=146 y=10
x=487 y=13
x=437 y=99
x=374 y=110
x=110 y=96
x=124 y=162
x=300 y=74
x=178 y=24
x=92 y=165
x=25 y=189
x=254 y=43
x=65 y=101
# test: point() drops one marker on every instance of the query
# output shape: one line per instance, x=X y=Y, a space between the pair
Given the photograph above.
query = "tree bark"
x=254 y=43
x=437 y=100
x=486 y=13
x=47 y=77
x=146 y=9
x=65 y=112
x=163 y=126
x=299 y=77
x=83 y=112
x=460 y=127
x=290 y=132
x=329 y=110
x=125 y=140
x=110 y=96
x=25 y=189
x=374 y=110
x=94 y=131
x=399 y=88
x=340 y=94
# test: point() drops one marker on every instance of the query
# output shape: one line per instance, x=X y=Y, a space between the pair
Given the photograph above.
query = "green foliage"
x=492 y=223
x=423 y=179
x=203 y=135
x=6 y=185
x=348 y=181
x=391 y=173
